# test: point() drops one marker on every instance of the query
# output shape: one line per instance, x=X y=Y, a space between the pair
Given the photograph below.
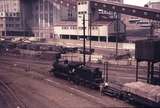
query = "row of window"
x=69 y=27
x=93 y=38
x=10 y=14
x=12 y=19
x=82 y=3
x=93 y=28
x=75 y=27
x=10 y=25
x=13 y=25
x=82 y=12
x=2 y=19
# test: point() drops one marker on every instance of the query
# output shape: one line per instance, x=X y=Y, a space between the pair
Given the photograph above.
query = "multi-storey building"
x=102 y=29
x=32 y=17
x=10 y=17
x=38 y=17
x=41 y=15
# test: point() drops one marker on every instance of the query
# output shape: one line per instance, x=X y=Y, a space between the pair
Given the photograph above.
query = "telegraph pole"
x=106 y=65
x=151 y=30
x=84 y=41
x=90 y=37
x=117 y=24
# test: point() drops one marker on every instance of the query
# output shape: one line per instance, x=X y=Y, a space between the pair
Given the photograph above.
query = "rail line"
x=111 y=66
x=8 y=89
x=116 y=73
x=68 y=89
x=44 y=79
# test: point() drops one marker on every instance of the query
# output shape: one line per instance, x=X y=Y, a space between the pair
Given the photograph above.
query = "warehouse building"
x=100 y=28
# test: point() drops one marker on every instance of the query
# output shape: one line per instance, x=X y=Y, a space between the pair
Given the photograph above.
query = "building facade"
x=10 y=17
x=38 y=17
x=44 y=14
x=99 y=29
x=33 y=17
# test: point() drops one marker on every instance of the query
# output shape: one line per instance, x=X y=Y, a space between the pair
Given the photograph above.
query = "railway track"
x=11 y=94
x=116 y=72
x=64 y=87
x=112 y=67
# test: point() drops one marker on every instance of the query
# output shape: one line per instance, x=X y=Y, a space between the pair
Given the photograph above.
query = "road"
x=35 y=88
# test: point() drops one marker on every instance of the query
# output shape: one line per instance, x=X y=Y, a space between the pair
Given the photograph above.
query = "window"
x=94 y=27
x=14 y=14
x=75 y=27
x=71 y=27
x=46 y=17
x=11 y=14
x=18 y=14
x=50 y=6
x=9 y=19
x=17 y=19
x=17 y=25
x=9 y=25
x=80 y=28
x=41 y=7
x=46 y=5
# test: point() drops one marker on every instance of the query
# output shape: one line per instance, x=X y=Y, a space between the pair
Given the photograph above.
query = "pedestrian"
x=129 y=61
x=103 y=87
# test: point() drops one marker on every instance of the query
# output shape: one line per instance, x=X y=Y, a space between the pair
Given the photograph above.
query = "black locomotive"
x=77 y=73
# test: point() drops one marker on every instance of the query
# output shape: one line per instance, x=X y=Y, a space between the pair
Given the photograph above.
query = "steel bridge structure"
x=132 y=10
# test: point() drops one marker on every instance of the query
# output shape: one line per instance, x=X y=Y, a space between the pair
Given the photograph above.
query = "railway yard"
x=37 y=89
x=29 y=84
x=79 y=54
x=29 y=78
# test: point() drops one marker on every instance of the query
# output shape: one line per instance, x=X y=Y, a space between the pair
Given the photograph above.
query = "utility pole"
x=151 y=30
x=106 y=65
x=90 y=37
x=117 y=24
x=84 y=41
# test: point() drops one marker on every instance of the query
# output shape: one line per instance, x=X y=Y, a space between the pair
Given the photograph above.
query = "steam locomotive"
x=77 y=73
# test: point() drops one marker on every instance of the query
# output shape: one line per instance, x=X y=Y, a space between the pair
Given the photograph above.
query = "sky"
x=136 y=2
